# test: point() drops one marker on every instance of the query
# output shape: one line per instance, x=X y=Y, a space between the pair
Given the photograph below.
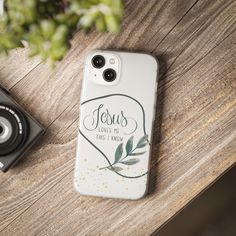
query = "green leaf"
x=60 y=35
x=130 y=161
x=48 y=28
x=115 y=168
x=137 y=153
x=142 y=142
x=57 y=53
x=88 y=19
x=118 y=153
x=129 y=145
x=113 y=24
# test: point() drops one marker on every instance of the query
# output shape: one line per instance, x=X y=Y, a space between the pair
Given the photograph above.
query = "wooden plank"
x=195 y=130
x=16 y=66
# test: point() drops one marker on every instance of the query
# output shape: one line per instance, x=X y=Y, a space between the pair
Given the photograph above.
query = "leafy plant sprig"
x=48 y=26
x=131 y=151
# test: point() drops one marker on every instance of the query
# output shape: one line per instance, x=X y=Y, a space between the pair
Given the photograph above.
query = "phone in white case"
x=116 y=119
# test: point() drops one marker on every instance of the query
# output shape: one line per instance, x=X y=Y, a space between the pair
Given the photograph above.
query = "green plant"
x=48 y=25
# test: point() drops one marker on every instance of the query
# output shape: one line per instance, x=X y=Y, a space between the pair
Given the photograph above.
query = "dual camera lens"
x=98 y=62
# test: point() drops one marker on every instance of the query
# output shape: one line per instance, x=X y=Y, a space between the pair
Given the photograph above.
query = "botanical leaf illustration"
x=130 y=151
x=142 y=142
x=136 y=153
x=131 y=161
x=115 y=168
x=129 y=145
x=118 y=153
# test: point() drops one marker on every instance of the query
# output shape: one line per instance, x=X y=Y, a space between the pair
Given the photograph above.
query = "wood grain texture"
x=194 y=133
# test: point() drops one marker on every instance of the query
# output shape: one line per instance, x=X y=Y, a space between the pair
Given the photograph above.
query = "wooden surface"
x=195 y=129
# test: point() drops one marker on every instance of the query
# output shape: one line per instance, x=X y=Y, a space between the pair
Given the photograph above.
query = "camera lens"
x=5 y=130
x=13 y=129
x=98 y=61
x=109 y=75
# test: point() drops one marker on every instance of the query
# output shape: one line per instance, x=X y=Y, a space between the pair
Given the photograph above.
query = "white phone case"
x=116 y=120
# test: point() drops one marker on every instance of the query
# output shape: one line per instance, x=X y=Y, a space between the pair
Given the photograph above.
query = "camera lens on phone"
x=98 y=61
x=109 y=75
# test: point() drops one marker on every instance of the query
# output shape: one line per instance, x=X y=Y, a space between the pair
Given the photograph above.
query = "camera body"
x=18 y=131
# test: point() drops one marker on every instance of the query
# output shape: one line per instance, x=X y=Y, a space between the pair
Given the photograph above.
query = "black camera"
x=18 y=131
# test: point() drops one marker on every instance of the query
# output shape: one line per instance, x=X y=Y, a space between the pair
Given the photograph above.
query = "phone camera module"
x=98 y=61
x=109 y=75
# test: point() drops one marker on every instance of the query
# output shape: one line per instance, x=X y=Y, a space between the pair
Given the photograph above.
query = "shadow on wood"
x=157 y=125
